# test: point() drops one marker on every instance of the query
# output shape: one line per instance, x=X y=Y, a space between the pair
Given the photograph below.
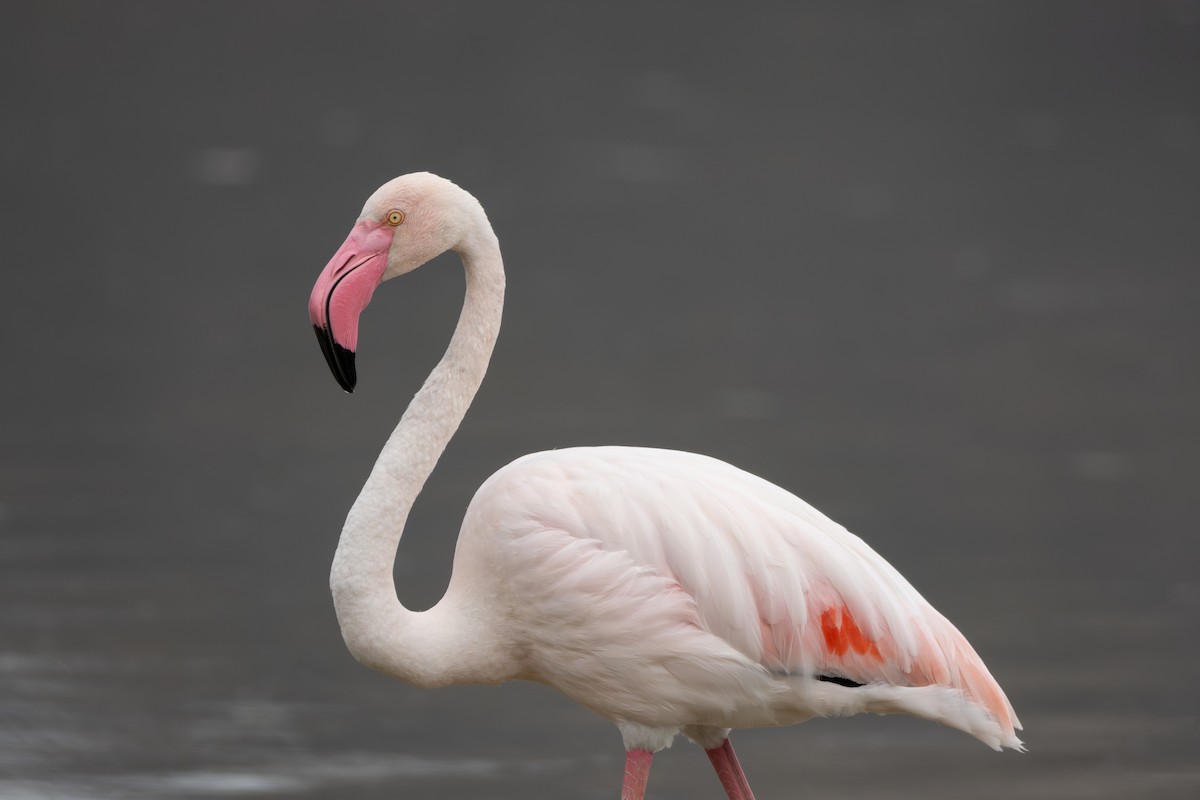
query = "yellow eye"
x=394 y=217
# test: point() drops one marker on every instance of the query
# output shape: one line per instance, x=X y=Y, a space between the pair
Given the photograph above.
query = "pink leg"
x=637 y=772
x=728 y=769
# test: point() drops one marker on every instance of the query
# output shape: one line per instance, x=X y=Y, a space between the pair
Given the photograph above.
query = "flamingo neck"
x=438 y=646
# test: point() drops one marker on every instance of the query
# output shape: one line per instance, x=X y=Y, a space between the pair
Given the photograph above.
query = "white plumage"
x=667 y=591
x=672 y=589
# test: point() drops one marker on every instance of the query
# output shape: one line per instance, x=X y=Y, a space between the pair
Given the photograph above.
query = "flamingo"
x=667 y=591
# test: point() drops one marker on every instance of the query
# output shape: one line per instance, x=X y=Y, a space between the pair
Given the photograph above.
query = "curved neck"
x=422 y=647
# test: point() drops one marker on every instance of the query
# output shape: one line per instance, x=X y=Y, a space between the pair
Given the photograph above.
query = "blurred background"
x=933 y=266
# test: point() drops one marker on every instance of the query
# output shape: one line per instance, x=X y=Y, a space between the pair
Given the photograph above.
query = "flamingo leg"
x=637 y=773
x=725 y=762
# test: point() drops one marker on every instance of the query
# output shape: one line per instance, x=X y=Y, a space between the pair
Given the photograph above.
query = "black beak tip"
x=346 y=383
x=339 y=359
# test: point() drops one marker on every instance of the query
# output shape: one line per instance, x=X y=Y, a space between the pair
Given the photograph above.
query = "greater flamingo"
x=669 y=592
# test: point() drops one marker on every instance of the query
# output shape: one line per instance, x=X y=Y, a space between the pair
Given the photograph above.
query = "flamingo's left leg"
x=725 y=762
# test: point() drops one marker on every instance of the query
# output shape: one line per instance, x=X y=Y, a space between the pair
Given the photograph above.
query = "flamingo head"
x=406 y=222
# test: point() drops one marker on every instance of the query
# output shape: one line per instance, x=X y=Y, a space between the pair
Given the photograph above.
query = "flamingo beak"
x=342 y=292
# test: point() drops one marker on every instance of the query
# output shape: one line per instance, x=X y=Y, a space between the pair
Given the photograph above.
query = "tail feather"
x=955 y=709
x=979 y=686
x=947 y=661
x=944 y=704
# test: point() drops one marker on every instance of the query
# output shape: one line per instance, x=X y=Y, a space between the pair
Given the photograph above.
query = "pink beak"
x=342 y=292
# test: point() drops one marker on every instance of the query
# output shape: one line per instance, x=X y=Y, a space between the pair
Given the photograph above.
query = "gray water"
x=932 y=266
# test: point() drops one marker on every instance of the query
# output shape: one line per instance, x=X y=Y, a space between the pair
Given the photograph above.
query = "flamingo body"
x=673 y=590
x=669 y=592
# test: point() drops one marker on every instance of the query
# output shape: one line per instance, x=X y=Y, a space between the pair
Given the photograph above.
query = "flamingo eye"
x=394 y=217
